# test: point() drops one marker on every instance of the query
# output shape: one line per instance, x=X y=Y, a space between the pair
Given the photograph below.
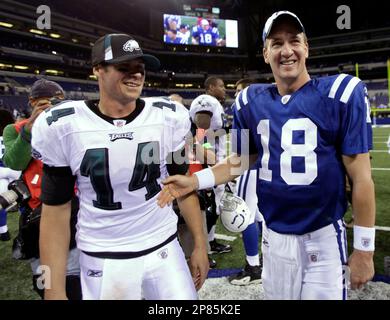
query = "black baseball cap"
x=45 y=88
x=117 y=48
x=277 y=15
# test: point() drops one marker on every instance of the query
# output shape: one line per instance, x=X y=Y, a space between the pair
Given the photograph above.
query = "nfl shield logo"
x=163 y=254
x=119 y=123
x=366 y=242
x=313 y=257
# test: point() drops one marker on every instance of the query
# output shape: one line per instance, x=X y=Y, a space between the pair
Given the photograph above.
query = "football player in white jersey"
x=117 y=150
x=306 y=133
x=207 y=113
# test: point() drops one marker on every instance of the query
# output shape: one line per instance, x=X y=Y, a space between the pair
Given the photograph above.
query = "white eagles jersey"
x=119 y=168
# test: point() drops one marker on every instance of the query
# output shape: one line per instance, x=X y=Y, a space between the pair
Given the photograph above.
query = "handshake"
x=17 y=193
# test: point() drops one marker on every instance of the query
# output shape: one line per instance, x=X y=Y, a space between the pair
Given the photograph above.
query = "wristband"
x=206 y=179
x=363 y=238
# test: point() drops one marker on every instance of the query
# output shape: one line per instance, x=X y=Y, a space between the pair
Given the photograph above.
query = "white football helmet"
x=210 y=104
x=235 y=214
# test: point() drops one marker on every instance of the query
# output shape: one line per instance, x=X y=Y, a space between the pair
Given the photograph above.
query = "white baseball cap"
x=270 y=22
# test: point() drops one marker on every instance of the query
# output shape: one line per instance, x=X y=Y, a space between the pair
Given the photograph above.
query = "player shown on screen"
x=205 y=35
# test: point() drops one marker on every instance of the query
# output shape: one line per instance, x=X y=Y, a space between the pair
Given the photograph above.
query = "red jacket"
x=32 y=175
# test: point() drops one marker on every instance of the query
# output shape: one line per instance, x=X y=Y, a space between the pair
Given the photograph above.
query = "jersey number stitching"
x=305 y=150
x=95 y=165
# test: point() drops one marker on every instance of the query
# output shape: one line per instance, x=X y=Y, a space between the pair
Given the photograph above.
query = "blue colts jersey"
x=206 y=37
x=300 y=139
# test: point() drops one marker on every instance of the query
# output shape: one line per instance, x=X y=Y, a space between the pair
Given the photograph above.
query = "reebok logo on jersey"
x=117 y=136
x=130 y=46
x=95 y=273
x=163 y=254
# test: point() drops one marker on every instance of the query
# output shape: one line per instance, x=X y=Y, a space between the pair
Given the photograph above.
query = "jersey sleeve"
x=46 y=141
x=356 y=122
x=179 y=125
x=195 y=32
x=242 y=141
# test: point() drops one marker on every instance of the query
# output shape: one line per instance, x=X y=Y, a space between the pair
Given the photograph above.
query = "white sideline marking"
x=224 y=237
x=382 y=228
x=379 y=150
x=380 y=169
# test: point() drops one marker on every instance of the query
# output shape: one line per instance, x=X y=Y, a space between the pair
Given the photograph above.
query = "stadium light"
x=20 y=67
x=5 y=66
x=6 y=24
x=55 y=35
x=74 y=40
x=54 y=72
x=36 y=31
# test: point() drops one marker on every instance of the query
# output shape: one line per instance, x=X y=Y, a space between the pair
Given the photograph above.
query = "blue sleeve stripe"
x=336 y=85
x=349 y=89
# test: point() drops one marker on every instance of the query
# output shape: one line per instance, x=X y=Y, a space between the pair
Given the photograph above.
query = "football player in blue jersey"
x=306 y=133
x=205 y=35
x=171 y=37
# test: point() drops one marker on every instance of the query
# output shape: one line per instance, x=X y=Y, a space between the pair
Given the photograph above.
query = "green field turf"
x=15 y=276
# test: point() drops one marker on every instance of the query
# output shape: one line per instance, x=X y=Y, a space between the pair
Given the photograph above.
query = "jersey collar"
x=93 y=105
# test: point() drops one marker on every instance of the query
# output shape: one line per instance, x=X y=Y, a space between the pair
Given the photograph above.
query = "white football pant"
x=307 y=267
x=160 y=275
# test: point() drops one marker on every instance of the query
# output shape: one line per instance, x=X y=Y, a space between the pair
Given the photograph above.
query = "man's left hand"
x=361 y=265
x=199 y=266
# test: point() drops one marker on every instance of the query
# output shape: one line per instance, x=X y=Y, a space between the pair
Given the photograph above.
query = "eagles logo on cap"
x=131 y=45
x=116 y=48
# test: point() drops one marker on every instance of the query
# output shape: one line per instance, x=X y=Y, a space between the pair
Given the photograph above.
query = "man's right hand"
x=40 y=106
x=175 y=187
